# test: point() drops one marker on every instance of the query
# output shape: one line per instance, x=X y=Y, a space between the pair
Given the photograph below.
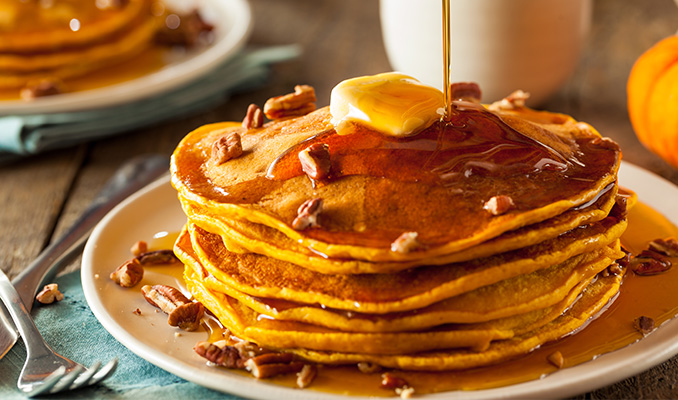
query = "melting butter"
x=391 y=103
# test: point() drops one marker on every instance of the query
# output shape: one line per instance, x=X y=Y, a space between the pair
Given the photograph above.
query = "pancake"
x=261 y=276
x=244 y=236
x=358 y=220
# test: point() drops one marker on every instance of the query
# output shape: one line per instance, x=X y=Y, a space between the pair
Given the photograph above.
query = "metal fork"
x=44 y=370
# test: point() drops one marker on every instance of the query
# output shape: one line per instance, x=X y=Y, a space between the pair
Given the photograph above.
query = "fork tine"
x=46 y=385
x=105 y=372
x=84 y=378
x=67 y=379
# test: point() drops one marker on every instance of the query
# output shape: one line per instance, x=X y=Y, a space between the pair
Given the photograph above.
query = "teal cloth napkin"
x=30 y=134
x=69 y=327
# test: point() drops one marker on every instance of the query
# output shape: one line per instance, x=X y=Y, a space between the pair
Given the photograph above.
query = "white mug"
x=503 y=45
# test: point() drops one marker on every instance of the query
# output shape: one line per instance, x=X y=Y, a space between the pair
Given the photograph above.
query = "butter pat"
x=391 y=103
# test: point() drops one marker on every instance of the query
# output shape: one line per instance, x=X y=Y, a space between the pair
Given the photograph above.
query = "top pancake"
x=434 y=183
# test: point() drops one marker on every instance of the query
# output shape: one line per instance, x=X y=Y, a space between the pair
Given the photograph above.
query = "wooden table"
x=42 y=195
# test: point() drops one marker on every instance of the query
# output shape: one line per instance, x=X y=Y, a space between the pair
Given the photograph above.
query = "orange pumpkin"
x=652 y=99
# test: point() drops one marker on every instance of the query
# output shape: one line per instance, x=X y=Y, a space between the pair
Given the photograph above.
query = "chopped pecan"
x=306 y=376
x=644 y=324
x=614 y=269
x=181 y=311
x=157 y=257
x=42 y=88
x=307 y=214
x=272 y=364
x=254 y=117
x=183 y=30
x=368 y=368
x=315 y=161
x=556 y=358
x=220 y=354
x=136 y=311
x=467 y=91
x=667 y=247
x=139 y=248
x=650 y=262
x=405 y=392
x=391 y=381
x=301 y=102
x=511 y=102
x=128 y=274
x=49 y=294
x=406 y=243
x=498 y=205
x=226 y=148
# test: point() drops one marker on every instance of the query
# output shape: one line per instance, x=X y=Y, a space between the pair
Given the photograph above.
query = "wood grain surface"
x=42 y=195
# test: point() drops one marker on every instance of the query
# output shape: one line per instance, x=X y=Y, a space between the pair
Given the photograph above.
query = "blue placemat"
x=73 y=331
x=22 y=135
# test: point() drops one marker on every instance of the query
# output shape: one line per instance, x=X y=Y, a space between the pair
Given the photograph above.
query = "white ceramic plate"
x=232 y=21
x=156 y=209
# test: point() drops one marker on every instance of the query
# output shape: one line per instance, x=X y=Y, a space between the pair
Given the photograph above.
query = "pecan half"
x=307 y=214
x=254 y=117
x=301 y=102
x=644 y=324
x=49 y=294
x=272 y=364
x=667 y=247
x=226 y=148
x=650 y=262
x=511 y=102
x=128 y=274
x=220 y=354
x=315 y=161
x=498 y=205
x=181 y=311
x=467 y=91
x=183 y=30
x=406 y=243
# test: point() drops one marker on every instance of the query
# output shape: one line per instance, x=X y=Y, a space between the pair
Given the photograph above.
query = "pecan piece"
x=220 y=354
x=368 y=367
x=498 y=205
x=406 y=243
x=128 y=274
x=254 y=117
x=307 y=214
x=183 y=30
x=181 y=311
x=644 y=324
x=315 y=161
x=306 y=376
x=667 y=247
x=157 y=257
x=391 y=381
x=49 y=294
x=42 y=88
x=511 y=102
x=466 y=91
x=226 y=148
x=139 y=248
x=272 y=364
x=556 y=358
x=301 y=102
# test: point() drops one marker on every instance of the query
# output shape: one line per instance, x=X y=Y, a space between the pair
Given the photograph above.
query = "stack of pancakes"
x=410 y=263
x=64 y=39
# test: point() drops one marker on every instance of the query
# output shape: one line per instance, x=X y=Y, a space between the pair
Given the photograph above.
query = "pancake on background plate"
x=375 y=231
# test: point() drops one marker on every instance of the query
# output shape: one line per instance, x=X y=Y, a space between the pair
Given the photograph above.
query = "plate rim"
x=154 y=83
x=602 y=371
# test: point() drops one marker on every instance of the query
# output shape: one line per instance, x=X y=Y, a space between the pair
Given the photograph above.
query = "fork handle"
x=35 y=344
